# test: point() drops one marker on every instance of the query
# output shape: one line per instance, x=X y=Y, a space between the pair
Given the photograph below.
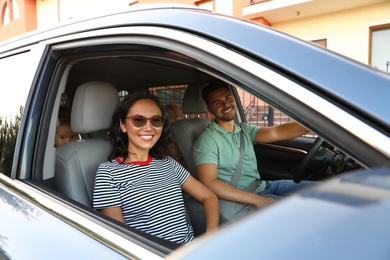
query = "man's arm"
x=207 y=174
x=284 y=131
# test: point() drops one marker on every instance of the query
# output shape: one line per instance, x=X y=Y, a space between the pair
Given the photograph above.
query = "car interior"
x=91 y=82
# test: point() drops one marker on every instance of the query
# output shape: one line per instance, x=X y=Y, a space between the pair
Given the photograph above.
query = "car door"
x=278 y=160
x=42 y=234
x=32 y=188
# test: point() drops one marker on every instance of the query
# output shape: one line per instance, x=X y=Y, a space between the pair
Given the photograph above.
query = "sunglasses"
x=140 y=121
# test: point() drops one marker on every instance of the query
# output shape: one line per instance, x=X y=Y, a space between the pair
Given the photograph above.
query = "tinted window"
x=15 y=78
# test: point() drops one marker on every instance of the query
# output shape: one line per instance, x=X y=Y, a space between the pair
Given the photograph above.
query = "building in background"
x=358 y=29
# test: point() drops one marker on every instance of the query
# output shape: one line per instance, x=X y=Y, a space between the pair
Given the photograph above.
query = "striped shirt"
x=149 y=194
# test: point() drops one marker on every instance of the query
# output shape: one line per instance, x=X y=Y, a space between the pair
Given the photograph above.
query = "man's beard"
x=227 y=117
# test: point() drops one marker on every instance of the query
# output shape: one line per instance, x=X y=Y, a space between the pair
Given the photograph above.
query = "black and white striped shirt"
x=149 y=194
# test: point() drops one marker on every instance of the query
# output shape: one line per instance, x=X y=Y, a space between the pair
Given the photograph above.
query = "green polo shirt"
x=222 y=148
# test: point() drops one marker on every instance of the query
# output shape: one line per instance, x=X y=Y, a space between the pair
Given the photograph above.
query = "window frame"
x=373 y=29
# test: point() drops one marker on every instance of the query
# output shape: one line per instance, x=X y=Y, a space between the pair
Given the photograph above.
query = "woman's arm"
x=207 y=198
x=114 y=212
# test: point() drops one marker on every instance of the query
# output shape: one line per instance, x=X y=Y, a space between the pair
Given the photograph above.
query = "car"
x=173 y=51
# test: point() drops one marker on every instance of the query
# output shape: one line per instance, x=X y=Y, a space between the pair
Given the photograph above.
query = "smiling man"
x=217 y=152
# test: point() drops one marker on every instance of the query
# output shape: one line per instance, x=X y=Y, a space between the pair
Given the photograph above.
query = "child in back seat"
x=64 y=133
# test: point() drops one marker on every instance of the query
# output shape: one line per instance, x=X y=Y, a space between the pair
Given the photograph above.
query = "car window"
x=258 y=112
x=13 y=95
x=255 y=110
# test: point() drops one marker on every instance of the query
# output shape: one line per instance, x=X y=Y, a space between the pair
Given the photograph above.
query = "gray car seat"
x=186 y=131
x=76 y=163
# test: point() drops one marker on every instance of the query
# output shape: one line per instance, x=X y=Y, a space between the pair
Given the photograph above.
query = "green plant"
x=8 y=134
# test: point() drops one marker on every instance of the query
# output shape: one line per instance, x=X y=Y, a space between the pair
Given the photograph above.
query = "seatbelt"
x=237 y=172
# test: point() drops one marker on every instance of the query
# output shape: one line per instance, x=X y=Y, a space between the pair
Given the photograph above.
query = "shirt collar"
x=222 y=130
x=136 y=162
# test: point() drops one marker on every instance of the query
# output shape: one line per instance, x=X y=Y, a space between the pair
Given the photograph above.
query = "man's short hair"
x=211 y=87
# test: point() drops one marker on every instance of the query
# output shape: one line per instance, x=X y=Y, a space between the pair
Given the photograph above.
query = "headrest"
x=193 y=102
x=93 y=106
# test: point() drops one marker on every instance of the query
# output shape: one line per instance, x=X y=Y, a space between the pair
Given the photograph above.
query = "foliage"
x=8 y=133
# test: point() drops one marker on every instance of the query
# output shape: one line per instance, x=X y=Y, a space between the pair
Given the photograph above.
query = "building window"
x=11 y=12
x=169 y=95
x=380 y=47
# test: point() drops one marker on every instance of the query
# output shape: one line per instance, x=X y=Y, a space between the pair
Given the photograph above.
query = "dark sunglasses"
x=140 y=121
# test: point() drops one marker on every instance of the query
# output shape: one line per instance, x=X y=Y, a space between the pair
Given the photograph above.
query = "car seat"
x=77 y=162
x=186 y=131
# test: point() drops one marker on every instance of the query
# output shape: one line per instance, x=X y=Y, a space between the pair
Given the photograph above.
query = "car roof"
x=357 y=88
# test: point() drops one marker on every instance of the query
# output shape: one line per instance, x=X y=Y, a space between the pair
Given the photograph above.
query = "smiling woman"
x=142 y=183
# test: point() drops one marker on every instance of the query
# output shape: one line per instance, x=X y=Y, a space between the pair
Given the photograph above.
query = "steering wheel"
x=304 y=165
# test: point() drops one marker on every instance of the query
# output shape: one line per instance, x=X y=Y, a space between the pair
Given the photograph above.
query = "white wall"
x=50 y=12
x=47 y=13
x=347 y=32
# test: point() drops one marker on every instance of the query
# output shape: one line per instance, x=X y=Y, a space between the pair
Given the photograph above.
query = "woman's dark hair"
x=165 y=146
